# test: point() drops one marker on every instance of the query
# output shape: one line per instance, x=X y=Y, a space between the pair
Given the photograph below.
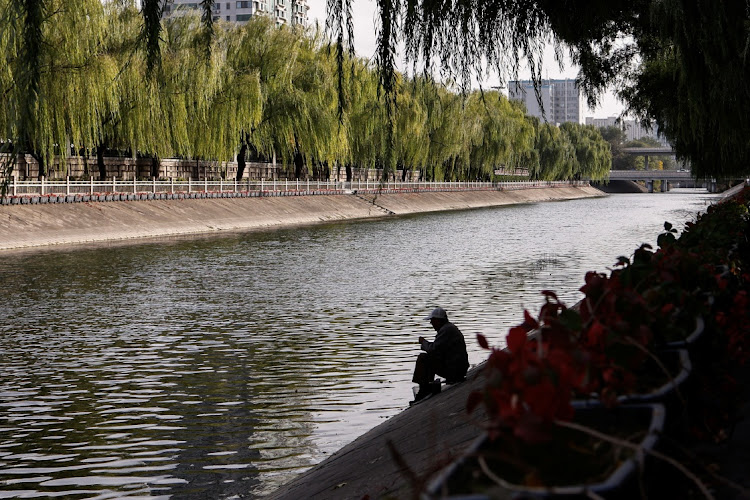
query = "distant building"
x=560 y=99
x=633 y=129
x=610 y=121
x=290 y=12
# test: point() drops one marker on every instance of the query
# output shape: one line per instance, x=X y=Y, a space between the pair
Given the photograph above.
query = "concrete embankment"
x=398 y=458
x=30 y=226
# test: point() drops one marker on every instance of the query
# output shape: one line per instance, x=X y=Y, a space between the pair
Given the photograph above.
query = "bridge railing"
x=640 y=175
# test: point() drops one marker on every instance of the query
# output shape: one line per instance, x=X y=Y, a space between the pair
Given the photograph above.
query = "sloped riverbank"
x=27 y=226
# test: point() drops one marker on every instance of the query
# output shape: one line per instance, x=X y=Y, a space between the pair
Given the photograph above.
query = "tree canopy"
x=80 y=75
x=680 y=63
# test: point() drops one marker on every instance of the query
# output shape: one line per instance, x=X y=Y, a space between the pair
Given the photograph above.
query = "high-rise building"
x=291 y=12
x=560 y=99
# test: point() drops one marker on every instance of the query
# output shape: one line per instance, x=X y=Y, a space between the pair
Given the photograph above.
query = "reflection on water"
x=222 y=367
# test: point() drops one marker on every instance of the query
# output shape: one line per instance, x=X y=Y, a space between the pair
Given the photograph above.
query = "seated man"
x=446 y=356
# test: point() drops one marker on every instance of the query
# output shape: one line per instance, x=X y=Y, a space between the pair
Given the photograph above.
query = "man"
x=446 y=356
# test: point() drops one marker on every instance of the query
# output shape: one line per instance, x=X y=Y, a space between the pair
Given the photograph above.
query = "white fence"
x=23 y=192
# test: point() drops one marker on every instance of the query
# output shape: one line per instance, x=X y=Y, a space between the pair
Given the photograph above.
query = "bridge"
x=649 y=151
x=650 y=175
x=668 y=177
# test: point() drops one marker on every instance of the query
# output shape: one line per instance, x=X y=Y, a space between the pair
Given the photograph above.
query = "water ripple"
x=221 y=367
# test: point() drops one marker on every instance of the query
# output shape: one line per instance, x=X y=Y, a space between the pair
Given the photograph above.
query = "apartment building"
x=560 y=99
x=290 y=12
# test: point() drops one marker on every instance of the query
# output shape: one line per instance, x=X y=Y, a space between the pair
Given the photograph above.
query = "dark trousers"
x=424 y=370
x=427 y=367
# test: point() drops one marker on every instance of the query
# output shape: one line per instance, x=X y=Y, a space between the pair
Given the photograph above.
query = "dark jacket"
x=448 y=352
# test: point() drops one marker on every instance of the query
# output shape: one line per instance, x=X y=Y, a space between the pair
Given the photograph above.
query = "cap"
x=438 y=313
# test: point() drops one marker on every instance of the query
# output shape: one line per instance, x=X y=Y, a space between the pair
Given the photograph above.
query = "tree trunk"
x=100 y=162
x=42 y=172
x=348 y=172
x=241 y=161
x=155 y=167
x=299 y=163
x=40 y=161
x=84 y=154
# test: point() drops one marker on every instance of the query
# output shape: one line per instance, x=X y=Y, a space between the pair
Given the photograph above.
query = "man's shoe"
x=424 y=392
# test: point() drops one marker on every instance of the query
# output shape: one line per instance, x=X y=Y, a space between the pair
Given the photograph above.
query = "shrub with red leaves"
x=645 y=302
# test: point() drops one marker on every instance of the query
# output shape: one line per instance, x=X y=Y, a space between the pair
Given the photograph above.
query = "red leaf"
x=667 y=309
x=516 y=339
x=528 y=322
x=482 y=341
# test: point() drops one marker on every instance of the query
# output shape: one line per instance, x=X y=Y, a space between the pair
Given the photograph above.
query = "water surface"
x=221 y=367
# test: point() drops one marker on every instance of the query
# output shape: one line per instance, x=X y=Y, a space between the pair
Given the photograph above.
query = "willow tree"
x=235 y=104
x=365 y=118
x=158 y=107
x=593 y=157
x=9 y=112
x=682 y=64
x=191 y=104
x=378 y=137
x=135 y=121
x=556 y=154
x=410 y=133
x=319 y=138
x=57 y=75
x=222 y=93
x=298 y=99
x=446 y=137
x=504 y=133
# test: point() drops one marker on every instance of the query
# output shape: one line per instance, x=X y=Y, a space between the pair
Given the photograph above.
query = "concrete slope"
x=407 y=203
x=23 y=226
x=28 y=226
x=425 y=437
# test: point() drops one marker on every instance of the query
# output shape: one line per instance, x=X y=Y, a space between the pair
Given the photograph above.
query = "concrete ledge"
x=24 y=226
x=408 y=203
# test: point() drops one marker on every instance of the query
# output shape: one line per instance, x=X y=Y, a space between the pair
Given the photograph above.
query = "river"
x=222 y=366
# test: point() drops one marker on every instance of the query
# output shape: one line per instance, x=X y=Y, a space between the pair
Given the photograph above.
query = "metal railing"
x=114 y=189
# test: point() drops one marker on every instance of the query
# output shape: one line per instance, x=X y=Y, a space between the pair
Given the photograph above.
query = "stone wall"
x=79 y=167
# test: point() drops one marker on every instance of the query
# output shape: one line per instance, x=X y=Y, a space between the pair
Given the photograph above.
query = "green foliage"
x=572 y=151
x=51 y=49
x=679 y=63
x=217 y=91
x=151 y=32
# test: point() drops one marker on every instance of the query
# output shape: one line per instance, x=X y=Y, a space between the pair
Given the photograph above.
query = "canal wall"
x=26 y=226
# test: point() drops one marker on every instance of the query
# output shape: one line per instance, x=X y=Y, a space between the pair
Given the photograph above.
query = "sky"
x=364 y=12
